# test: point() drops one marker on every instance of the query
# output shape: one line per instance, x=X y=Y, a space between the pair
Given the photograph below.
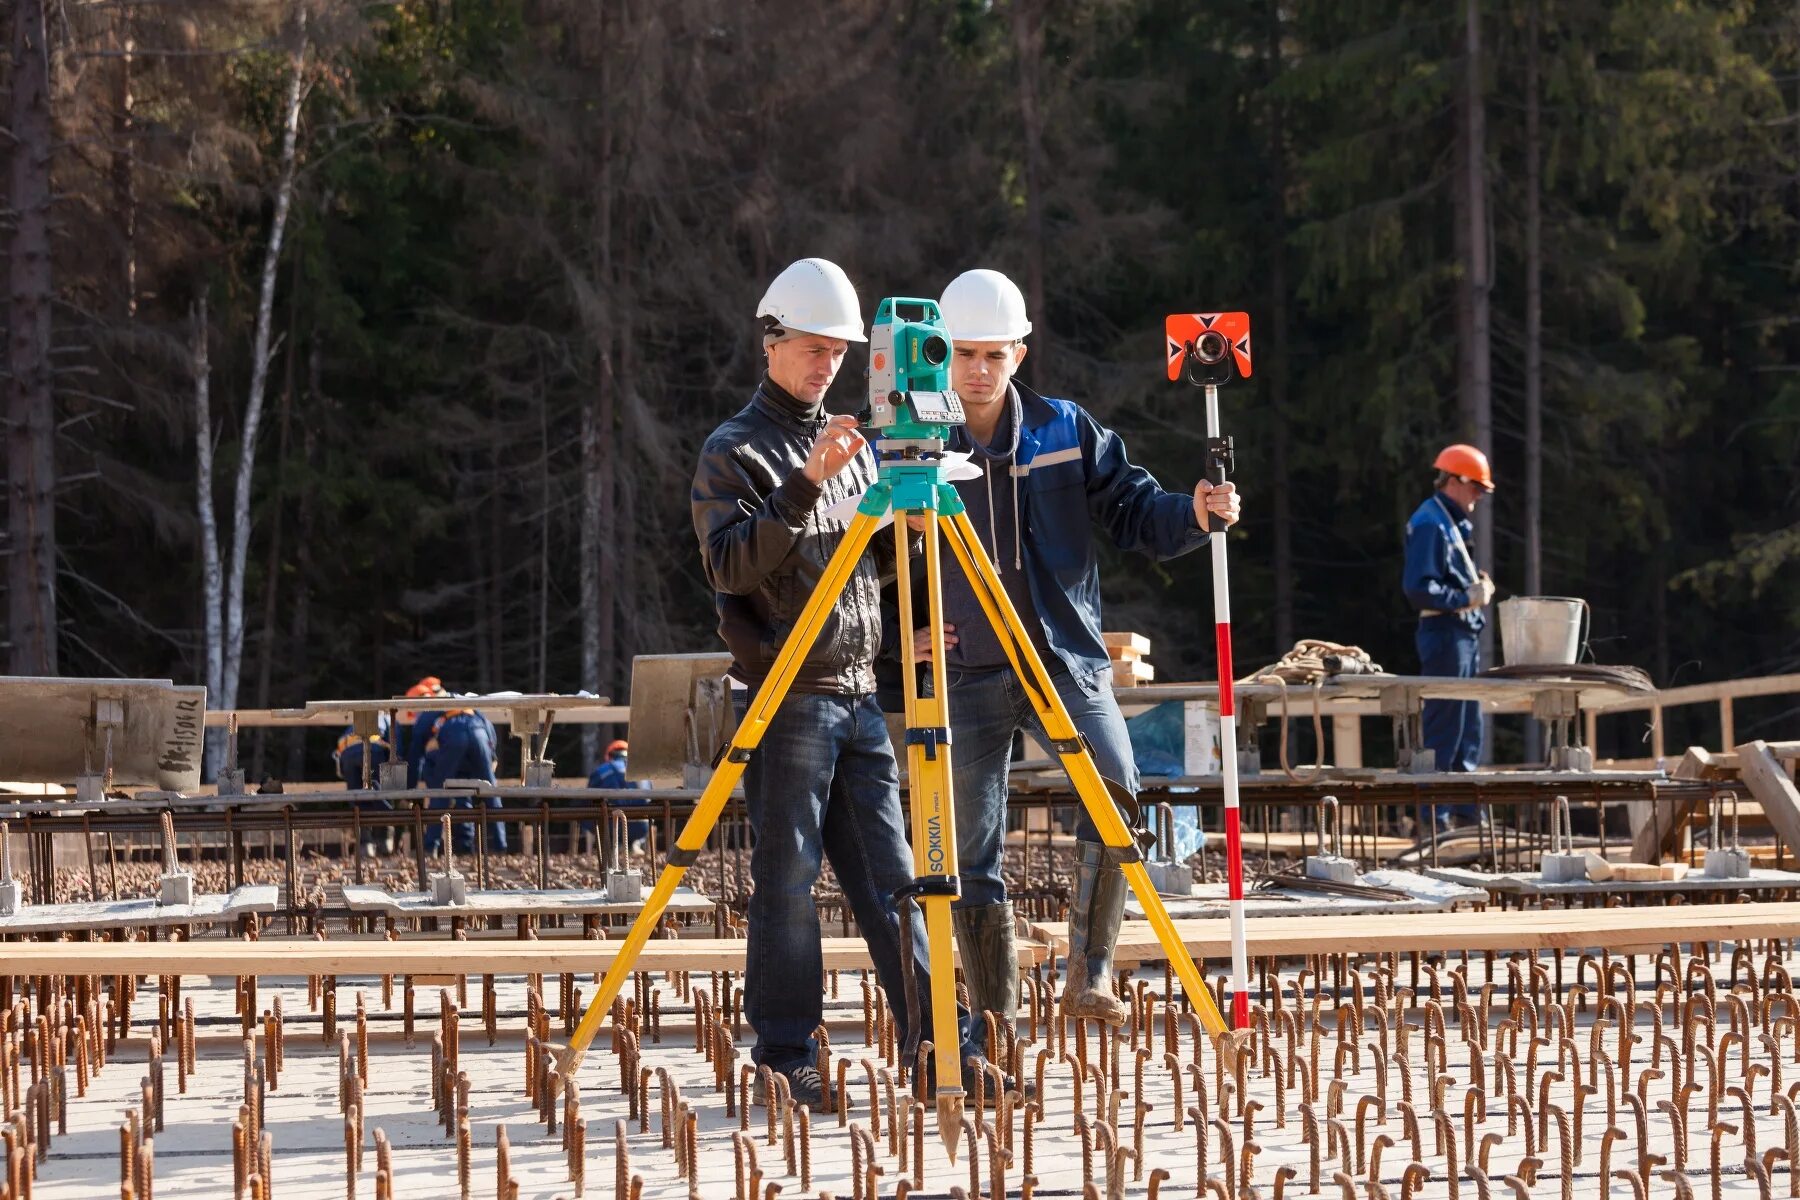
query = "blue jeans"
x=1452 y=728
x=823 y=785
x=465 y=750
x=986 y=709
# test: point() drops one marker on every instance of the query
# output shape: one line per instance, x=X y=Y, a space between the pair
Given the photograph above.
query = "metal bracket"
x=1221 y=456
x=930 y=737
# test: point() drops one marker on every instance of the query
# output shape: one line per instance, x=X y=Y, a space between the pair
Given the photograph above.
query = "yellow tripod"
x=929 y=780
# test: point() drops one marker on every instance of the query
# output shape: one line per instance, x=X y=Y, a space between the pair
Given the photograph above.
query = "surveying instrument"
x=911 y=412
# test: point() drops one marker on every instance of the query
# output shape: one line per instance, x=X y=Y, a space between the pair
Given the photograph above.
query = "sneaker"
x=805 y=1085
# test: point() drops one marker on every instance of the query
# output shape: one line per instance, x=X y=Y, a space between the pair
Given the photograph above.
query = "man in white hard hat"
x=823 y=784
x=1049 y=472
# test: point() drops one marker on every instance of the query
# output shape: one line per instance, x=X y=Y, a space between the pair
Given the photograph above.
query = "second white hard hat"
x=984 y=306
x=813 y=296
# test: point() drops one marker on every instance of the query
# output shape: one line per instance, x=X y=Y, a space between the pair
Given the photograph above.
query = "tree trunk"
x=211 y=577
x=124 y=177
x=30 y=408
x=1028 y=41
x=299 y=675
x=597 y=467
x=1534 y=342
x=1474 y=364
x=1272 y=349
x=1534 y=319
x=272 y=572
x=260 y=357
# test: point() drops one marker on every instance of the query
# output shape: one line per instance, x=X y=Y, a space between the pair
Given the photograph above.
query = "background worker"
x=611 y=775
x=348 y=759
x=823 y=783
x=1449 y=593
x=1049 y=471
x=453 y=743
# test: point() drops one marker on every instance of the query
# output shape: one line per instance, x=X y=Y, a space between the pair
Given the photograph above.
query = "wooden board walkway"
x=1615 y=929
x=415 y=956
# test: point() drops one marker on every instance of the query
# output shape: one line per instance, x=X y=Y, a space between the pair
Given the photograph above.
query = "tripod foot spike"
x=950 y=1116
x=1230 y=1046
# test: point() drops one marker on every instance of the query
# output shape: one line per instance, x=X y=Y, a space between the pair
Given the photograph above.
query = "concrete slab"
x=102 y=915
x=363 y=898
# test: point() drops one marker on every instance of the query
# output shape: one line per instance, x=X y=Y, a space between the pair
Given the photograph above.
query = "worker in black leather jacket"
x=823 y=785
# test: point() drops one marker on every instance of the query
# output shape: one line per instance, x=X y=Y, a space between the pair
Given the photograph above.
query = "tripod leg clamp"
x=930 y=737
x=682 y=858
x=929 y=885
x=1098 y=854
x=731 y=752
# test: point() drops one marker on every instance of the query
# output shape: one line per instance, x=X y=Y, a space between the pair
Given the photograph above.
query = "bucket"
x=1541 y=631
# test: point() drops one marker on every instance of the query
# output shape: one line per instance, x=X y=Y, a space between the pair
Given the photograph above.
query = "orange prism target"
x=1182 y=330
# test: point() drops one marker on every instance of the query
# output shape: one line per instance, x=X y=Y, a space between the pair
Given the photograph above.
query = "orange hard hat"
x=616 y=745
x=431 y=685
x=1466 y=462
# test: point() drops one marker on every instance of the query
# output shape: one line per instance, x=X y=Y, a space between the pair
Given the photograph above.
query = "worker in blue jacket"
x=1049 y=472
x=610 y=774
x=348 y=758
x=1449 y=592
x=455 y=743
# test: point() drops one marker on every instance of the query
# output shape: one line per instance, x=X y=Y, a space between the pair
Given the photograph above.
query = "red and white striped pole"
x=1234 y=838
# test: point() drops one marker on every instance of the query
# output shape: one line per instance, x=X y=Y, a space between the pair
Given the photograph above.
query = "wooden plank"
x=1133 y=670
x=1705 y=693
x=1769 y=783
x=1135 y=643
x=419 y=956
x=1617 y=929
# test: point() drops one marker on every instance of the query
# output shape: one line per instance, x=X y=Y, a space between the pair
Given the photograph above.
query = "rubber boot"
x=990 y=960
x=1093 y=929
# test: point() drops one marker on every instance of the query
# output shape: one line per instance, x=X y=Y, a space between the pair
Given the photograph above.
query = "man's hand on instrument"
x=922 y=642
x=832 y=450
x=1221 y=500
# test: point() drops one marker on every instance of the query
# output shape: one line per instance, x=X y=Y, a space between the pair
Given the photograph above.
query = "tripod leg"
x=1066 y=741
x=725 y=776
x=933 y=826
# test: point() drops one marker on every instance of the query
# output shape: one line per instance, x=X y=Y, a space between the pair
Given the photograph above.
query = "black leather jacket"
x=764 y=541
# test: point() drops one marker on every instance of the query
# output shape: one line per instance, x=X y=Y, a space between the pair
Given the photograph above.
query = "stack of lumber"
x=1763 y=769
x=1130 y=653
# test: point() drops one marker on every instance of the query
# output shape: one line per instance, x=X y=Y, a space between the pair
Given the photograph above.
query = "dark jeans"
x=986 y=709
x=465 y=750
x=823 y=785
x=1452 y=728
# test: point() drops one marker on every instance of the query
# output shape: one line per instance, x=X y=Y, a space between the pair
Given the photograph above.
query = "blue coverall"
x=611 y=774
x=458 y=744
x=1439 y=573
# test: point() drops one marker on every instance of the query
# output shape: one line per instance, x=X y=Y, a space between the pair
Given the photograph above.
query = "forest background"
x=350 y=343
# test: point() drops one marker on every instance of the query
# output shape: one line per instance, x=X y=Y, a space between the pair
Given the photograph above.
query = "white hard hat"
x=984 y=306
x=813 y=296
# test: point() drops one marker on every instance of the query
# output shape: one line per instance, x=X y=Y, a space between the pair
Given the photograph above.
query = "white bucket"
x=1541 y=631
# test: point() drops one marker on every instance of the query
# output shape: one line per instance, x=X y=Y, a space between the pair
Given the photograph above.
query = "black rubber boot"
x=990 y=959
x=1093 y=929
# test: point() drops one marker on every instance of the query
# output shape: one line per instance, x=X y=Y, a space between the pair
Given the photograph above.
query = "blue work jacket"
x=1070 y=472
x=1438 y=574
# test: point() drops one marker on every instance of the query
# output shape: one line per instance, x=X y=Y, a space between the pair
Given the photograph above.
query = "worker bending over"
x=453 y=743
x=1449 y=593
x=1049 y=472
x=823 y=784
